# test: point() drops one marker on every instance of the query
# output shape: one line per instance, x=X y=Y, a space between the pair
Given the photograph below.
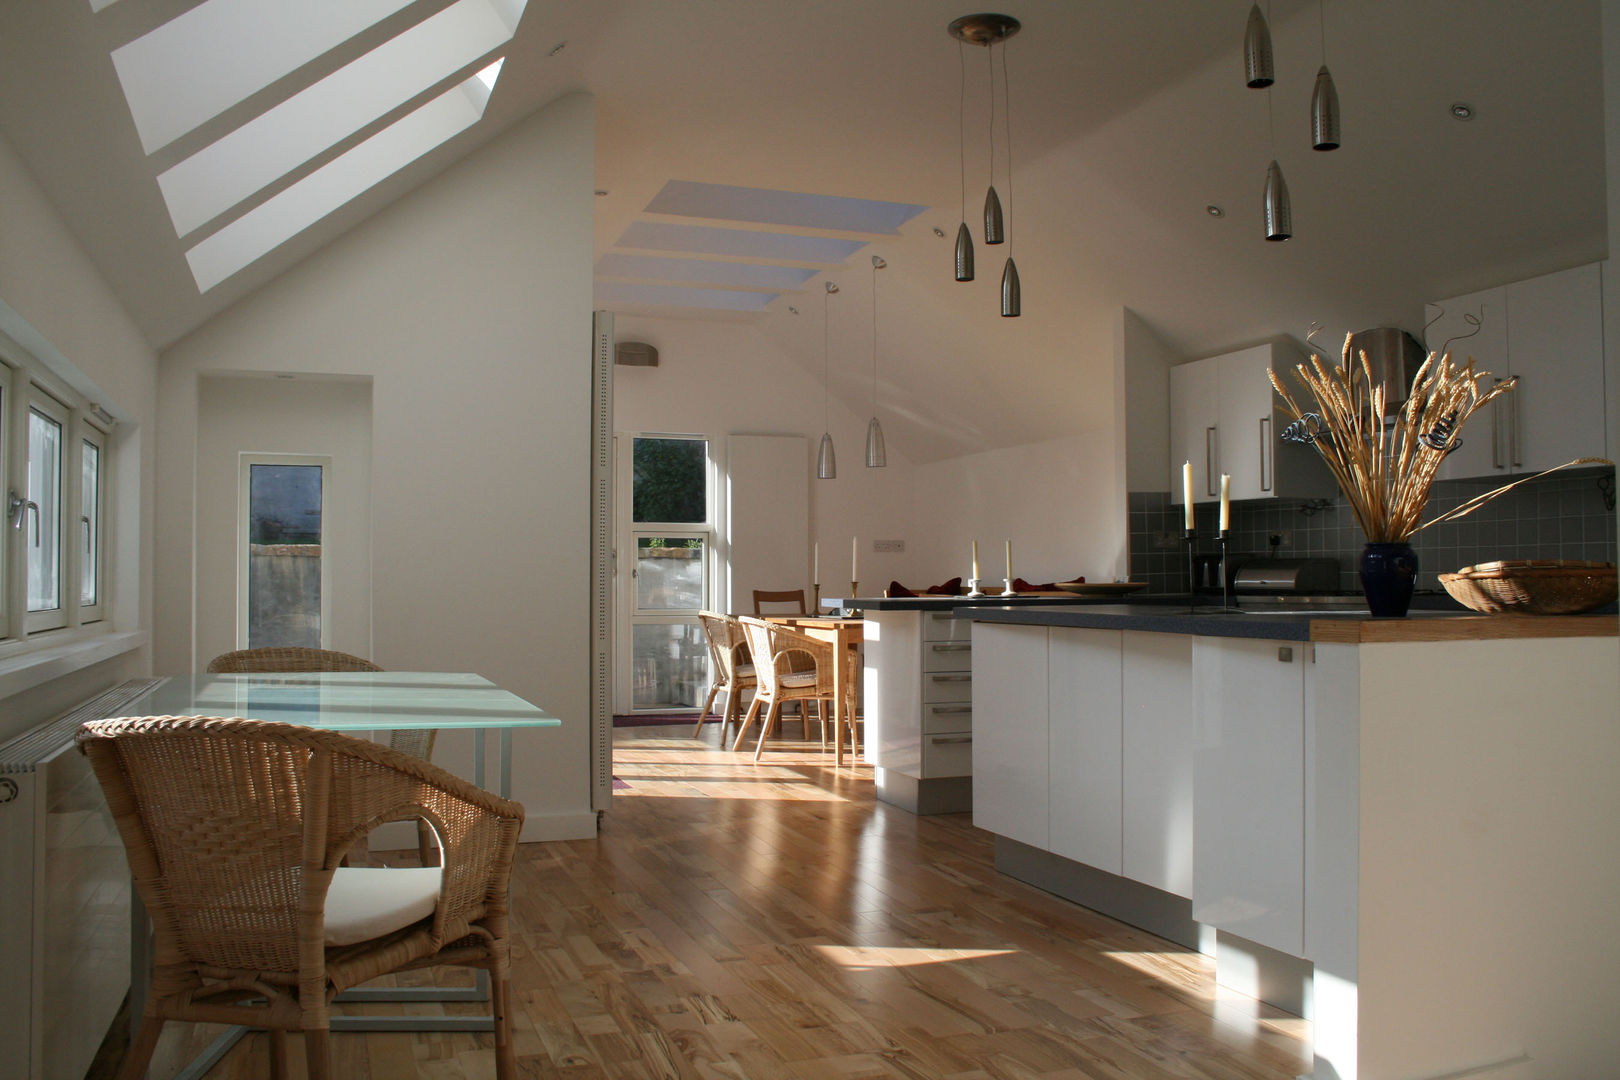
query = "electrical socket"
x=1164 y=541
x=1281 y=538
x=889 y=545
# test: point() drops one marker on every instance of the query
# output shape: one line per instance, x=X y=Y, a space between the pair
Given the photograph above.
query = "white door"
x=667 y=568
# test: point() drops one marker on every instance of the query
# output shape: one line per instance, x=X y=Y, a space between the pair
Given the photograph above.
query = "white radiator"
x=64 y=899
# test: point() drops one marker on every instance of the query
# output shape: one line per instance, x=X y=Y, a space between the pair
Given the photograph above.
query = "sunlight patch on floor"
x=867 y=958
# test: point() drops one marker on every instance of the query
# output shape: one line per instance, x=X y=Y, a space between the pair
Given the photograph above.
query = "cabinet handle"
x=954 y=647
x=941 y=740
x=1209 y=461
x=951 y=708
x=1513 y=427
x=951 y=678
x=1265 y=452
x=1496 y=438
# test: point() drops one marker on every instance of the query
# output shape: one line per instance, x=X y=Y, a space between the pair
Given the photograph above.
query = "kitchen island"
x=1405 y=829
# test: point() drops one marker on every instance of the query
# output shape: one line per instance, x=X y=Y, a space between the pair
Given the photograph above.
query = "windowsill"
x=26 y=670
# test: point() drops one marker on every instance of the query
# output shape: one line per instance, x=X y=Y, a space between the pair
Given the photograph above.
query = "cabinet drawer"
x=941 y=626
x=947 y=656
x=947 y=755
x=947 y=716
x=947 y=686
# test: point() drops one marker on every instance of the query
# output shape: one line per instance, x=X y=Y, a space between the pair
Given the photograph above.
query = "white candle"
x=1186 y=492
x=815 y=570
x=975 y=560
x=1009 y=560
x=854 y=558
x=1226 y=501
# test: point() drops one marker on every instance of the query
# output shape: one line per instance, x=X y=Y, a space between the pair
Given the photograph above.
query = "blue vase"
x=1388 y=575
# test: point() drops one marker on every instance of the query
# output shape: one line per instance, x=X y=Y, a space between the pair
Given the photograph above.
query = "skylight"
x=200 y=63
x=317 y=118
x=305 y=202
x=713 y=240
x=724 y=202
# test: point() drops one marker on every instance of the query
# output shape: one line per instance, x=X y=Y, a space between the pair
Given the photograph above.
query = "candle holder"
x=973 y=587
x=854 y=589
x=1009 y=590
x=815 y=598
x=1226 y=582
x=1190 y=538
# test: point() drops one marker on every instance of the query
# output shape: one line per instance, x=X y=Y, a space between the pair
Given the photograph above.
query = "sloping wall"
x=468 y=304
x=49 y=283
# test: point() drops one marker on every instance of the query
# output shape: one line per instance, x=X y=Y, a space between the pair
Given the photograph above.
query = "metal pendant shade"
x=964 y=253
x=1257 y=65
x=826 y=459
x=995 y=225
x=1012 y=300
x=876 y=455
x=1279 y=214
x=1324 y=112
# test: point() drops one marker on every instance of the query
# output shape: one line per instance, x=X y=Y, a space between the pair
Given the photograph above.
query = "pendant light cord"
x=1006 y=137
x=1321 y=13
x=874 y=336
x=961 y=116
x=990 y=55
x=826 y=411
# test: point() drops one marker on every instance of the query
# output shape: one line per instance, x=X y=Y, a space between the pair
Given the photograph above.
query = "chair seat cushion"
x=745 y=671
x=797 y=679
x=366 y=902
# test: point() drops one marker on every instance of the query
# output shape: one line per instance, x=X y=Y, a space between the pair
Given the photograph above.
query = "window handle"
x=85 y=518
x=17 y=507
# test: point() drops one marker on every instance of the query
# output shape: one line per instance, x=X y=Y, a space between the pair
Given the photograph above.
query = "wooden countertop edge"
x=1463 y=628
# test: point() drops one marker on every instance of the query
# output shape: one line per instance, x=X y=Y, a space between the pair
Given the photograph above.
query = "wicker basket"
x=1533 y=586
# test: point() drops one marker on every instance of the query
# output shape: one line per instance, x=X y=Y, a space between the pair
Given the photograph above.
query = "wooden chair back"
x=780 y=596
x=286 y=658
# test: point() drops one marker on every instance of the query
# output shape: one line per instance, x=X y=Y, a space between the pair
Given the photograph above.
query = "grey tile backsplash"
x=1568 y=515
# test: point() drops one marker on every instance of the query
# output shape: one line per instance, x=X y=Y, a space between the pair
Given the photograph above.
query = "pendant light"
x=876 y=456
x=1279 y=214
x=1257 y=67
x=987 y=30
x=826 y=459
x=964 y=235
x=1324 y=98
x=1012 y=296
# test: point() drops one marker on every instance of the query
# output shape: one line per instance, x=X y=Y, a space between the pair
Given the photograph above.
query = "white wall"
x=468 y=305
x=1146 y=362
x=1059 y=500
x=318 y=416
x=49 y=284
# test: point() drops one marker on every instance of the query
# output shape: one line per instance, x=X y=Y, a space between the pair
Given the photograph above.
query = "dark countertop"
x=1418 y=625
x=947 y=603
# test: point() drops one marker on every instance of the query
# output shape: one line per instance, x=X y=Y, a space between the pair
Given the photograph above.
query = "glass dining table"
x=354 y=702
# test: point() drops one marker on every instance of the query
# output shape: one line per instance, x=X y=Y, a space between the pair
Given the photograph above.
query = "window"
x=54 y=467
x=282 y=596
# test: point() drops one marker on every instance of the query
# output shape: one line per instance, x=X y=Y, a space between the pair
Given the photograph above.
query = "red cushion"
x=952 y=587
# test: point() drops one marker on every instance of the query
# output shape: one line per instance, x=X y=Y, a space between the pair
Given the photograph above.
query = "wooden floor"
x=776 y=922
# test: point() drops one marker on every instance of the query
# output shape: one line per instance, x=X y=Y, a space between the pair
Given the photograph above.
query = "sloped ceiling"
x=1128 y=119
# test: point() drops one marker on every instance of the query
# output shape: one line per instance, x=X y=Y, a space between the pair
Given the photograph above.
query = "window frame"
x=90 y=433
x=245 y=460
x=28 y=383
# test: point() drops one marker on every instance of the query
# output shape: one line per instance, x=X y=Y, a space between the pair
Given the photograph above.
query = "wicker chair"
x=418 y=742
x=779 y=655
x=234 y=831
x=794 y=597
x=286 y=658
x=729 y=659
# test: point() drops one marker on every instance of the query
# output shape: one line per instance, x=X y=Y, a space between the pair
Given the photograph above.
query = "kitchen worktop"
x=1285 y=625
x=941 y=603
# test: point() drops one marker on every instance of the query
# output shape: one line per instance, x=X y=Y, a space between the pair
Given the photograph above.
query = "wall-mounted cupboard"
x=1224 y=418
x=1548 y=331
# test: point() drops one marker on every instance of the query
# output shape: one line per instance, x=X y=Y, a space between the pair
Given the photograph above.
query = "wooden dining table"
x=846 y=635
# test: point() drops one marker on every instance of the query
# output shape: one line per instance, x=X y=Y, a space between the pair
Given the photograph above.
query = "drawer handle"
x=954 y=647
x=941 y=740
x=951 y=678
x=951 y=708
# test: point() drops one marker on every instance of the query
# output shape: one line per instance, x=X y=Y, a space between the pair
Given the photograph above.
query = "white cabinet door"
x=1194 y=416
x=1159 y=751
x=1555 y=346
x=1248 y=424
x=1249 y=794
x=1010 y=731
x=1083 y=764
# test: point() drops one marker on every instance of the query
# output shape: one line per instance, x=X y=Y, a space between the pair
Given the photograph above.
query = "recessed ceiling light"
x=1461 y=110
x=938 y=231
x=792 y=310
x=600 y=192
x=1214 y=211
x=557 y=48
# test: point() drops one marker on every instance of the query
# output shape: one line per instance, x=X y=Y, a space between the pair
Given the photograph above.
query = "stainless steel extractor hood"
x=1394 y=356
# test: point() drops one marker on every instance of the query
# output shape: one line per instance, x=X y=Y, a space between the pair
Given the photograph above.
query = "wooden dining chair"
x=794 y=597
x=733 y=673
x=418 y=742
x=235 y=830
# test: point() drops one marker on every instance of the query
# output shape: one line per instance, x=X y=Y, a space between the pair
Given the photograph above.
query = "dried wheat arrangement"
x=1386 y=469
